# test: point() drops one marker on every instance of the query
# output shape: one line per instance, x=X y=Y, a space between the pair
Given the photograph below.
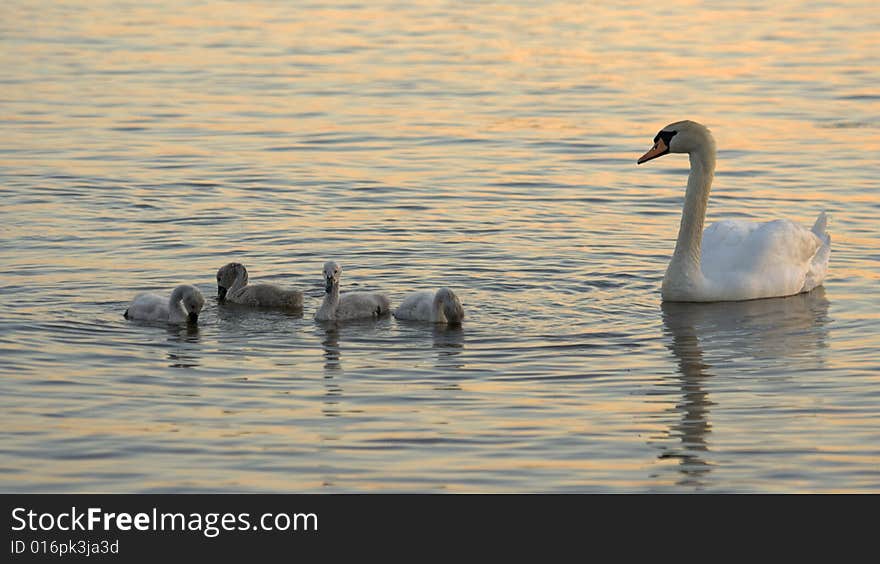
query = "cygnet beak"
x=193 y=317
x=221 y=293
x=329 y=287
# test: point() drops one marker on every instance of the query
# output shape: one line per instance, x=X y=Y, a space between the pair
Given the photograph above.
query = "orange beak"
x=658 y=150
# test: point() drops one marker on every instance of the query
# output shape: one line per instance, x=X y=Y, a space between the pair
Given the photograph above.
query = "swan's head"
x=192 y=301
x=679 y=137
x=451 y=305
x=331 y=275
x=227 y=275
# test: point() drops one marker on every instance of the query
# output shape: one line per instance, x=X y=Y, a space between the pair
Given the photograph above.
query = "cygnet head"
x=451 y=305
x=332 y=271
x=227 y=275
x=192 y=301
x=679 y=137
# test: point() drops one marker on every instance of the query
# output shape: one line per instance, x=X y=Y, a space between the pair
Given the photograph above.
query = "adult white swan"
x=185 y=304
x=351 y=305
x=733 y=260
x=232 y=287
x=435 y=306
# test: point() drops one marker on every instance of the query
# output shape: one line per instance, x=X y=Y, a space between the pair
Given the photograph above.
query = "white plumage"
x=748 y=260
x=185 y=304
x=733 y=259
x=434 y=306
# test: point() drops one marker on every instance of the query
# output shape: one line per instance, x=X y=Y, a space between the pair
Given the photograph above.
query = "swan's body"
x=733 y=259
x=232 y=287
x=185 y=304
x=351 y=305
x=434 y=306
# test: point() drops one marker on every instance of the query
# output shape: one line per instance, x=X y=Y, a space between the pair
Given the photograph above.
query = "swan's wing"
x=729 y=233
x=759 y=259
x=361 y=304
x=724 y=247
x=416 y=306
x=148 y=306
x=267 y=295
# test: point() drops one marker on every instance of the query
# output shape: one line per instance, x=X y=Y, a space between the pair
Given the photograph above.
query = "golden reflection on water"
x=490 y=149
x=782 y=329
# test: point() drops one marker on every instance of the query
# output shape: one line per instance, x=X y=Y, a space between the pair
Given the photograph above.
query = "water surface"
x=488 y=148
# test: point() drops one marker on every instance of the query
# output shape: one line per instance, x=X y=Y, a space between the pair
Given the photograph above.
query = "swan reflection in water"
x=332 y=369
x=330 y=344
x=184 y=339
x=448 y=344
x=754 y=336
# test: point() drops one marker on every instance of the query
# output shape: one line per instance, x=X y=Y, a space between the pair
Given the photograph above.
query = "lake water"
x=489 y=148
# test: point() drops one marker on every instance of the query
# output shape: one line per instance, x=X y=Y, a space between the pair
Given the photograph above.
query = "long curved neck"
x=175 y=308
x=438 y=308
x=688 y=247
x=240 y=282
x=331 y=302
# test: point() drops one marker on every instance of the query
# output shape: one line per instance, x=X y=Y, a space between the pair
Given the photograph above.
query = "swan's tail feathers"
x=819 y=230
x=819 y=226
x=819 y=264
